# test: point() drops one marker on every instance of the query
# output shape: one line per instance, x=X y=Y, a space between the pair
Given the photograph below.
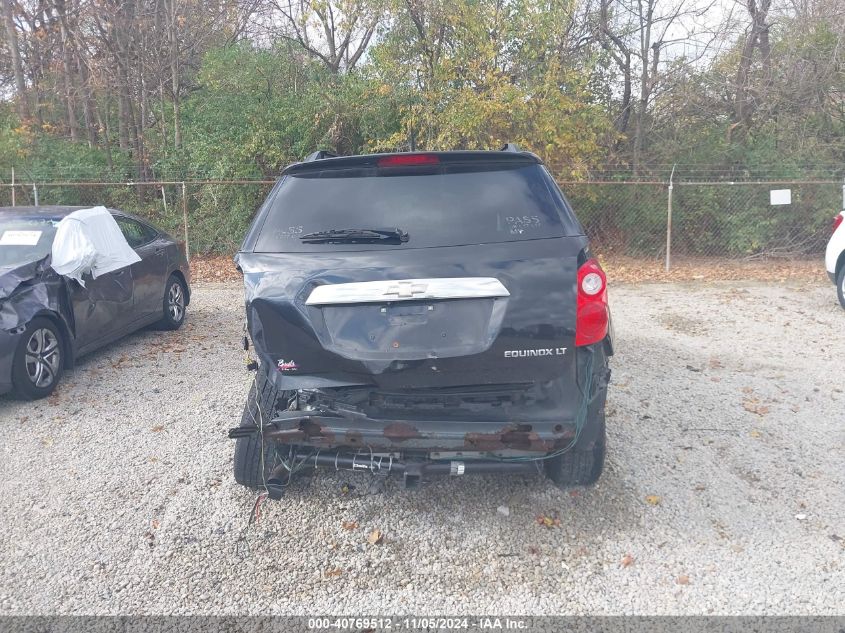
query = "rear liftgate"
x=437 y=333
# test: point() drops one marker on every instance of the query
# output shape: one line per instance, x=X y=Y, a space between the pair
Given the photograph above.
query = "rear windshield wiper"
x=356 y=235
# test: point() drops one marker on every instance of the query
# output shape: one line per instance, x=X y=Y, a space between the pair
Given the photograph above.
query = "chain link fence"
x=633 y=219
x=707 y=219
x=210 y=215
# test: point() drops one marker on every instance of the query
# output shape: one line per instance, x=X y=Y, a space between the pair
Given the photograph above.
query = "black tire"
x=840 y=286
x=580 y=467
x=39 y=360
x=174 y=304
x=259 y=406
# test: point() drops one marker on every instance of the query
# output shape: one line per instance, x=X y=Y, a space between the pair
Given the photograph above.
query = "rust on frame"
x=307 y=430
x=401 y=431
x=519 y=437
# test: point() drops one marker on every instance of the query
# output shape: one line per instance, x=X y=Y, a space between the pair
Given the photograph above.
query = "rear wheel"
x=173 y=305
x=580 y=467
x=254 y=459
x=840 y=286
x=39 y=360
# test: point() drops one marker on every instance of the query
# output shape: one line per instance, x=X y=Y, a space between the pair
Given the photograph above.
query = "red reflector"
x=592 y=323
x=592 y=316
x=838 y=220
x=404 y=160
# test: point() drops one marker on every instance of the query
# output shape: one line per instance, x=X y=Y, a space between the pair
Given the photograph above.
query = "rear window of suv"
x=444 y=205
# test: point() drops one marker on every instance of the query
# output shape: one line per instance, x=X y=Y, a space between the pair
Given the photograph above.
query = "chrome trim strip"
x=407 y=290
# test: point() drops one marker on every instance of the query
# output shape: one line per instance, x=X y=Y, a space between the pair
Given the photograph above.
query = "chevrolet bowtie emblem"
x=405 y=289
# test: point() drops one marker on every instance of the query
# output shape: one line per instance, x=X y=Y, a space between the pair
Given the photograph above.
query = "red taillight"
x=838 y=220
x=591 y=319
x=407 y=160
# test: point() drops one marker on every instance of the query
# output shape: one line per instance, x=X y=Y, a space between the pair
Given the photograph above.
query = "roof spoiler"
x=319 y=156
x=507 y=147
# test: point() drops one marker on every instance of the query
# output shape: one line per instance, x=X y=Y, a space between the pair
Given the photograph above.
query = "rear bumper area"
x=329 y=432
x=521 y=431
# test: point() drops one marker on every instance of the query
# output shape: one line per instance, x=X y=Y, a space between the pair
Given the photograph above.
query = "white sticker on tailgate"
x=20 y=238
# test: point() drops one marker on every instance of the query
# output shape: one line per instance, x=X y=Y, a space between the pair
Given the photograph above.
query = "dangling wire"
x=255 y=513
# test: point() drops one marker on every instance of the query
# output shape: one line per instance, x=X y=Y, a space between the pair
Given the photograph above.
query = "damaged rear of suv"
x=422 y=313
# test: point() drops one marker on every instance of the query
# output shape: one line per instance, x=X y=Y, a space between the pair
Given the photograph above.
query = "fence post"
x=185 y=220
x=35 y=193
x=13 y=186
x=669 y=220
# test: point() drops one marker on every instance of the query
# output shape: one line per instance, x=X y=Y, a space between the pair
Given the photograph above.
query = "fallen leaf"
x=683 y=579
x=158 y=428
x=375 y=537
x=350 y=525
x=632 y=270
x=755 y=433
x=333 y=573
x=155 y=524
x=627 y=560
x=653 y=500
x=547 y=521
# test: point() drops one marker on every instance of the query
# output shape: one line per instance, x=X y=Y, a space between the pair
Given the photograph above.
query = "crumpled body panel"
x=28 y=290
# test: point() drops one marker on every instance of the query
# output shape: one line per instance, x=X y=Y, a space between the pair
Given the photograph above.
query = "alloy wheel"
x=176 y=302
x=43 y=357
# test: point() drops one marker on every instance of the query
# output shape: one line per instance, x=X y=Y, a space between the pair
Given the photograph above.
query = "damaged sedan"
x=422 y=313
x=73 y=280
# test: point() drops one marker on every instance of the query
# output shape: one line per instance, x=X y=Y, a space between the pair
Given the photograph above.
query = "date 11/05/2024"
x=414 y=624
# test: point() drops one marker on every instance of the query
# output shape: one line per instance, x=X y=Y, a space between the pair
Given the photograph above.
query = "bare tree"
x=639 y=36
x=620 y=52
x=337 y=32
x=17 y=64
x=756 y=40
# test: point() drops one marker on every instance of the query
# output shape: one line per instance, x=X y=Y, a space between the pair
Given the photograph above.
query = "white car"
x=834 y=258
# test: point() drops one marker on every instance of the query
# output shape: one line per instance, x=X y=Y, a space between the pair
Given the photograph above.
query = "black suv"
x=422 y=313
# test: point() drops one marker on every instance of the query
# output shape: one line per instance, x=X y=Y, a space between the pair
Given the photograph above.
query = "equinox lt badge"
x=546 y=351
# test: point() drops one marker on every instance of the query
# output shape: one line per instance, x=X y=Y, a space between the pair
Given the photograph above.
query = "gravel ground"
x=723 y=494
